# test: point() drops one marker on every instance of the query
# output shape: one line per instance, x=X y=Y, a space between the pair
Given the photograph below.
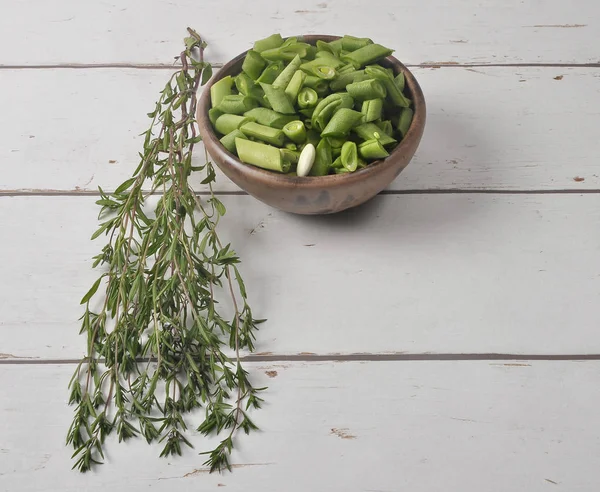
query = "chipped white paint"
x=406 y=273
x=422 y=427
x=150 y=31
x=492 y=128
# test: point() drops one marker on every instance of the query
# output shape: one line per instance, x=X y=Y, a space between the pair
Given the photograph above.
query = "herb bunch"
x=156 y=341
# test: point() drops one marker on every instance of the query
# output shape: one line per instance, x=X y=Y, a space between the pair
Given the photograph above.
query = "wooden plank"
x=135 y=31
x=492 y=128
x=456 y=273
x=422 y=427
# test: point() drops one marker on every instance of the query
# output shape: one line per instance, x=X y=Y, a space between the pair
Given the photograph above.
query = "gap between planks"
x=433 y=191
x=362 y=357
x=166 y=66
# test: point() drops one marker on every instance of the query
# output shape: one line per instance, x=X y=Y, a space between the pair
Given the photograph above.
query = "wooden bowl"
x=314 y=195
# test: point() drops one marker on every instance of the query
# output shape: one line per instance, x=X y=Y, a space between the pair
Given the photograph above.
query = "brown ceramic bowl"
x=314 y=195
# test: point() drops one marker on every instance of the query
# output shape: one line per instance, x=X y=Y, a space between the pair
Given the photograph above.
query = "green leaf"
x=102 y=228
x=206 y=74
x=92 y=291
x=124 y=186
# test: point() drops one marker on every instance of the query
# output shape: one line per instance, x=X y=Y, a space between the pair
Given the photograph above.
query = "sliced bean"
x=293 y=88
x=351 y=43
x=246 y=86
x=290 y=156
x=271 y=72
x=220 y=89
x=342 y=81
x=307 y=97
x=328 y=47
x=386 y=127
x=367 y=54
x=322 y=159
x=264 y=133
x=366 y=89
x=268 y=117
x=395 y=94
x=405 y=120
x=400 y=81
x=372 y=149
x=308 y=112
x=270 y=42
x=228 y=141
x=371 y=109
x=325 y=109
x=213 y=114
x=295 y=131
x=236 y=104
x=370 y=131
x=261 y=155
x=349 y=156
x=228 y=122
x=278 y=99
x=342 y=121
x=253 y=64
x=284 y=78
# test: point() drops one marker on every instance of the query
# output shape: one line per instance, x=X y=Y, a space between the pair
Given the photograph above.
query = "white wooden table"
x=470 y=289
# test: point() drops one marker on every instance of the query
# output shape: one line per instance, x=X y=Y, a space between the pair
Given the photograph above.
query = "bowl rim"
x=279 y=179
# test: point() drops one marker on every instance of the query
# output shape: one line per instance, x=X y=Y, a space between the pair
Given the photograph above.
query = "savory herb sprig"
x=155 y=332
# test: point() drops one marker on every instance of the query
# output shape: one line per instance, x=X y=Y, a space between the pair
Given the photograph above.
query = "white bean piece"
x=306 y=160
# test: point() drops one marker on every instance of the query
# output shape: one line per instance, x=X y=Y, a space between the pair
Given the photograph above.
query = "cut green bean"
x=372 y=150
x=286 y=53
x=228 y=141
x=284 y=78
x=246 y=86
x=350 y=43
x=295 y=131
x=367 y=89
x=307 y=97
x=395 y=94
x=342 y=121
x=290 y=156
x=405 y=120
x=367 y=54
x=268 y=117
x=328 y=47
x=346 y=78
x=268 y=43
x=371 y=109
x=308 y=112
x=337 y=162
x=325 y=109
x=228 y=122
x=312 y=136
x=293 y=88
x=264 y=133
x=346 y=69
x=220 y=89
x=400 y=81
x=253 y=64
x=213 y=114
x=349 y=156
x=271 y=72
x=261 y=155
x=278 y=99
x=236 y=104
x=386 y=127
x=322 y=159
x=370 y=131
x=337 y=44
x=341 y=170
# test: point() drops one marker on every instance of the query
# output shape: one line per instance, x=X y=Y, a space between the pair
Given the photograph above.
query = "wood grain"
x=487 y=128
x=151 y=31
x=408 y=273
x=386 y=426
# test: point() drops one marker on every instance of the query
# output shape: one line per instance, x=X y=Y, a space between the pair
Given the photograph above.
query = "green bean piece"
x=290 y=156
x=286 y=53
x=328 y=47
x=283 y=79
x=342 y=121
x=344 y=79
x=372 y=109
x=367 y=54
x=278 y=99
x=349 y=156
x=268 y=43
x=264 y=133
x=372 y=150
x=361 y=163
x=337 y=44
x=325 y=109
x=325 y=60
x=253 y=64
x=271 y=72
x=228 y=141
x=293 y=88
x=386 y=127
x=237 y=104
x=220 y=89
x=366 y=89
x=370 y=131
x=335 y=142
x=346 y=69
x=307 y=97
x=350 y=43
x=290 y=146
x=295 y=131
x=335 y=153
x=246 y=86
x=394 y=94
x=337 y=162
x=341 y=170
x=213 y=114
x=228 y=122
x=400 y=81
x=405 y=120
x=312 y=136
x=322 y=159
x=261 y=155
x=307 y=112
x=268 y=117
